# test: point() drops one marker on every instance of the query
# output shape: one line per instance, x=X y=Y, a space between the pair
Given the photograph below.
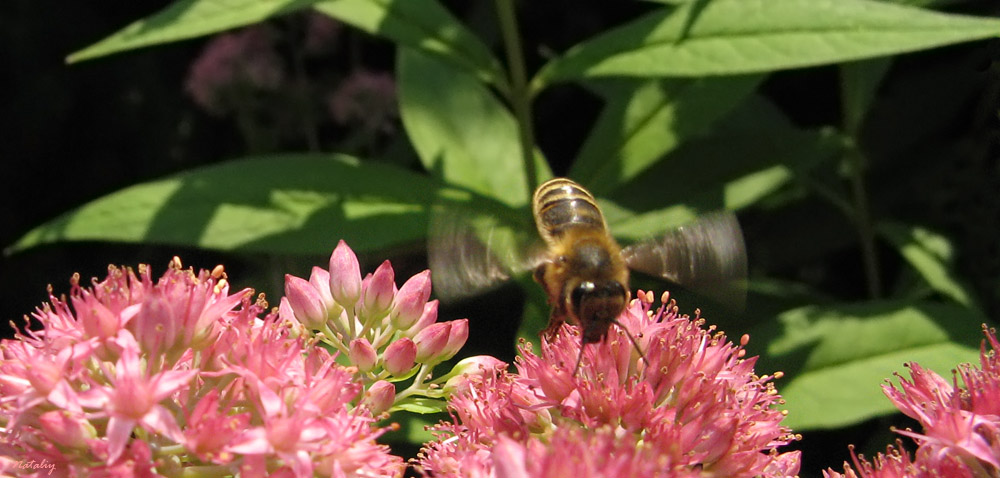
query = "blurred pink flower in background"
x=696 y=409
x=368 y=99
x=232 y=64
x=961 y=424
x=321 y=33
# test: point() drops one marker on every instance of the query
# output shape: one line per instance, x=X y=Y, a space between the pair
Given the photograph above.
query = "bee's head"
x=596 y=304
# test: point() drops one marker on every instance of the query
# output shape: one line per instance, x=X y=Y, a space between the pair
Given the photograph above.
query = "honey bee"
x=584 y=275
x=583 y=270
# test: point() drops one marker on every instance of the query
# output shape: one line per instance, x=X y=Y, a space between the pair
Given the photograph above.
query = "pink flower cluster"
x=961 y=424
x=390 y=335
x=695 y=409
x=177 y=376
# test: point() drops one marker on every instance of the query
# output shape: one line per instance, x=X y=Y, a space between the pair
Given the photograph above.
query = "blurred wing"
x=469 y=254
x=707 y=256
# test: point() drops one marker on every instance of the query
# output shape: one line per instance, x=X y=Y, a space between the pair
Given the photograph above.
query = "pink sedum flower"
x=961 y=424
x=132 y=398
x=136 y=376
x=696 y=409
x=386 y=332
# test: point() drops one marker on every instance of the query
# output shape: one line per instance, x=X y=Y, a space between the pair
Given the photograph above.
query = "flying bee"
x=581 y=267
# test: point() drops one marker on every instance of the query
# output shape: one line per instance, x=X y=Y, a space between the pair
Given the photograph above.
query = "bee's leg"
x=555 y=321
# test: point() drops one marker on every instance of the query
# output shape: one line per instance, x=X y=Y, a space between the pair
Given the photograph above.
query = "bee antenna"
x=631 y=338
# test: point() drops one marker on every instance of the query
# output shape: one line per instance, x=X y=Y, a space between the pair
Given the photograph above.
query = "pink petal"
x=251 y=442
x=508 y=459
x=160 y=420
x=119 y=432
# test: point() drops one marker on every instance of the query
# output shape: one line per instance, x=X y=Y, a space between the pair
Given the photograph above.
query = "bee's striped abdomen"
x=560 y=205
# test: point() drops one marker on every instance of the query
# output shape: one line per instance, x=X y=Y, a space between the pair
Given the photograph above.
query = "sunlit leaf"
x=726 y=37
x=747 y=156
x=929 y=254
x=420 y=405
x=288 y=203
x=421 y=24
x=835 y=357
x=643 y=120
x=461 y=131
x=185 y=19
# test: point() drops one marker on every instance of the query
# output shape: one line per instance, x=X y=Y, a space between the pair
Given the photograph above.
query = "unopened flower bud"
x=155 y=325
x=379 y=397
x=399 y=356
x=431 y=342
x=320 y=280
x=362 y=354
x=97 y=320
x=345 y=276
x=306 y=302
x=287 y=315
x=377 y=291
x=65 y=429
x=408 y=305
x=428 y=317
x=457 y=336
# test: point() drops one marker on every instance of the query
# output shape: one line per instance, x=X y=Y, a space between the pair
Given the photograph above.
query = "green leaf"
x=461 y=131
x=726 y=37
x=414 y=428
x=859 y=82
x=643 y=120
x=422 y=24
x=425 y=25
x=837 y=356
x=186 y=19
x=748 y=155
x=930 y=256
x=422 y=405
x=284 y=203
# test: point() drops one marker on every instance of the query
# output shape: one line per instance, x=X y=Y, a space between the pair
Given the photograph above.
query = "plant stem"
x=858 y=83
x=863 y=221
x=520 y=98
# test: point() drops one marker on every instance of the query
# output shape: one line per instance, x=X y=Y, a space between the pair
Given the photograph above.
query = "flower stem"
x=417 y=385
x=863 y=221
x=208 y=471
x=520 y=97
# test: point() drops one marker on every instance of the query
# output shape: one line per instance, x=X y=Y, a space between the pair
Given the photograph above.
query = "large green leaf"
x=290 y=203
x=643 y=120
x=461 y=131
x=930 y=255
x=747 y=156
x=725 y=37
x=425 y=25
x=836 y=357
x=185 y=19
